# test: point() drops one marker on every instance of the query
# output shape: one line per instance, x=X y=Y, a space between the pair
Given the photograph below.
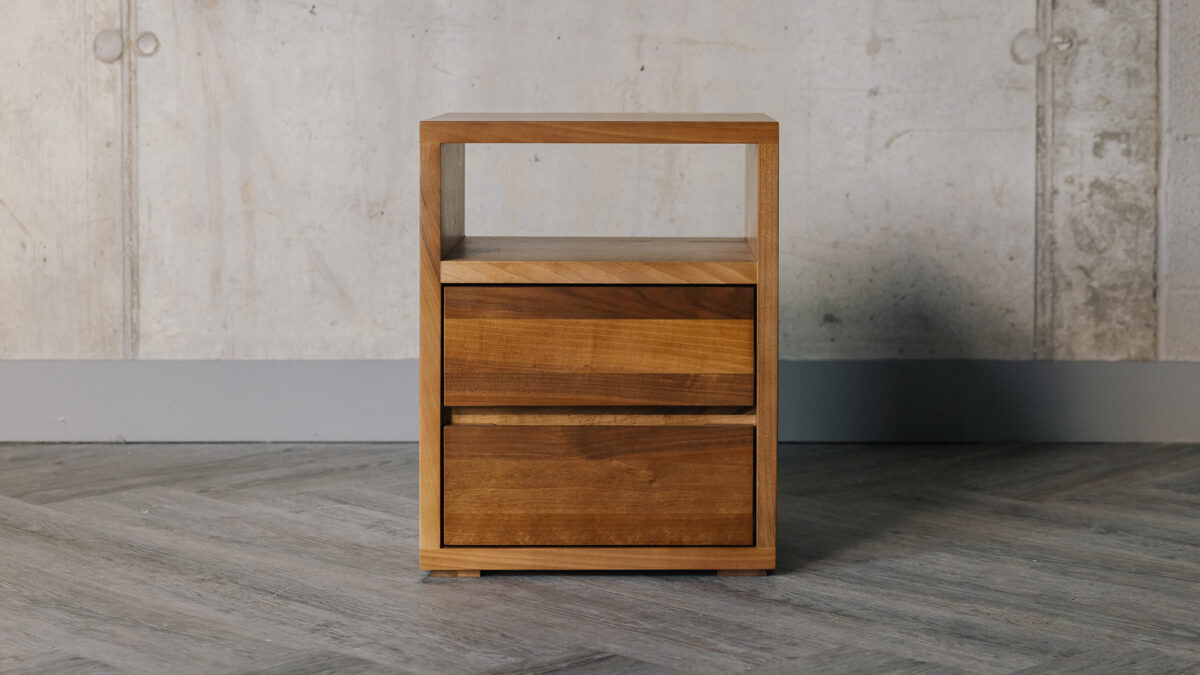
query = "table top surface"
x=592 y=118
x=750 y=128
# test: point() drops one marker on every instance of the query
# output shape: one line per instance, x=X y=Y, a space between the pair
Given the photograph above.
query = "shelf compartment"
x=599 y=260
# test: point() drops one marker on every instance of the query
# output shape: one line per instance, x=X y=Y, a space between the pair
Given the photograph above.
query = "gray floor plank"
x=1120 y=660
x=56 y=663
x=320 y=663
x=246 y=558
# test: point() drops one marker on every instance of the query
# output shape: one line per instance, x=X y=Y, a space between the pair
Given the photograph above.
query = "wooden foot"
x=454 y=573
x=741 y=573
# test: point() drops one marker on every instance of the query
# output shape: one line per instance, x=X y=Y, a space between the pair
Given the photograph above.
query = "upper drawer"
x=598 y=345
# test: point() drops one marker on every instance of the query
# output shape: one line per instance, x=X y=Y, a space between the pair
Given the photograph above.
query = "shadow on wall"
x=839 y=498
x=920 y=312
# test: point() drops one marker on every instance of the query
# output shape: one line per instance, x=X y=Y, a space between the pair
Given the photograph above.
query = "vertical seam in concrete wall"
x=1043 y=245
x=1164 y=151
x=131 y=305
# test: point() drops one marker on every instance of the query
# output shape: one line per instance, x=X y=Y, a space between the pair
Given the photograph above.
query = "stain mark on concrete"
x=874 y=44
x=1100 y=146
x=1000 y=195
x=325 y=272
x=15 y=219
x=693 y=42
x=895 y=137
x=1118 y=38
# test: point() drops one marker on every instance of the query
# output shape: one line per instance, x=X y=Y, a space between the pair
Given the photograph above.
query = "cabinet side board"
x=766 y=239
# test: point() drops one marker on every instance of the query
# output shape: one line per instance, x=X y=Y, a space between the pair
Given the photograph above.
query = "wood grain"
x=454 y=574
x=555 y=361
x=453 y=187
x=429 y=417
x=598 y=389
x=598 y=486
x=599 y=260
x=600 y=128
x=690 y=342
x=599 y=416
x=599 y=558
x=598 y=302
x=766 y=237
x=599 y=345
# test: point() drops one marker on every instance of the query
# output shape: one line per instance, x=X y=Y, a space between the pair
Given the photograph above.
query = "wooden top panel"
x=600 y=128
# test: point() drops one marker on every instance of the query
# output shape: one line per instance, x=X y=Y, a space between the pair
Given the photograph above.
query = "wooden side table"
x=595 y=403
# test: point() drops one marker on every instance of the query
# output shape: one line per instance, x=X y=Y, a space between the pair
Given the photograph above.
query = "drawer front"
x=598 y=345
x=598 y=486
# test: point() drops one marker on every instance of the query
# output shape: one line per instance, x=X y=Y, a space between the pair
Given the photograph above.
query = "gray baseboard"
x=820 y=401
x=210 y=401
x=972 y=401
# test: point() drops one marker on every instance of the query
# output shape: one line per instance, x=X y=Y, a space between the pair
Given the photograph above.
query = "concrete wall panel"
x=1179 y=259
x=1098 y=233
x=60 y=186
x=278 y=175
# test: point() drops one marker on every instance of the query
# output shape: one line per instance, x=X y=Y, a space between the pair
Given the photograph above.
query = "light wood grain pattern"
x=453 y=187
x=598 y=345
x=752 y=203
x=645 y=558
x=741 y=573
x=585 y=361
x=597 y=416
x=598 y=302
x=454 y=574
x=766 y=236
x=600 y=128
x=599 y=260
x=598 y=486
x=429 y=420
x=598 y=389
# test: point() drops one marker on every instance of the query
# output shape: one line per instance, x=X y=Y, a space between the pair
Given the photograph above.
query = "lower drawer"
x=598 y=486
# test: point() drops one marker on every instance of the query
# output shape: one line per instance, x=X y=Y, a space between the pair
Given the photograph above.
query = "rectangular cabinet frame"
x=448 y=258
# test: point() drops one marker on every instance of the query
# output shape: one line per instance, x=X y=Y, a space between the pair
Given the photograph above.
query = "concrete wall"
x=249 y=190
x=273 y=161
x=61 y=236
x=1179 y=279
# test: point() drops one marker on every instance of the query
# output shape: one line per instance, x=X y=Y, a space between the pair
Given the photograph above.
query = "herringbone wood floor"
x=894 y=559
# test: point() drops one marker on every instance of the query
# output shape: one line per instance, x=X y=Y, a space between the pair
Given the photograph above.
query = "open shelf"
x=599 y=260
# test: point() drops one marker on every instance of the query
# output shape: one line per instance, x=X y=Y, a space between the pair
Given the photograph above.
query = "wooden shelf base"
x=599 y=260
x=599 y=558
